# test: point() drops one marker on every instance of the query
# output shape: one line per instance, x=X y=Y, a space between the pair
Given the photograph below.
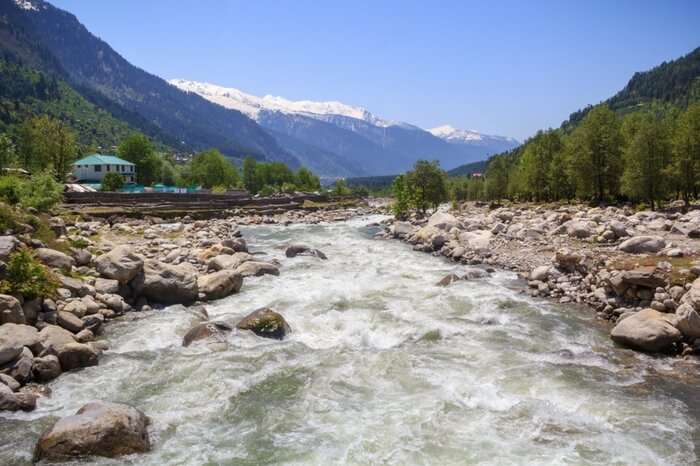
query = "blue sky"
x=501 y=67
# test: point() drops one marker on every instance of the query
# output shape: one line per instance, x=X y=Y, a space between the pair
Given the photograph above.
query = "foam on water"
x=382 y=367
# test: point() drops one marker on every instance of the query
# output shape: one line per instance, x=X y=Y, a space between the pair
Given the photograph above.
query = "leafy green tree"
x=536 y=163
x=137 y=149
x=340 y=188
x=596 y=154
x=43 y=192
x=210 y=168
x=685 y=167
x=112 y=181
x=250 y=176
x=647 y=156
x=7 y=152
x=560 y=184
x=428 y=182
x=46 y=143
x=168 y=173
x=497 y=175
x=307 y=181
x=402 y=197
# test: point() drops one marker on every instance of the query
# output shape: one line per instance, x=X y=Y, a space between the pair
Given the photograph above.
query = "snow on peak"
x=26 y=5
x=451 y=134
x=252 y=105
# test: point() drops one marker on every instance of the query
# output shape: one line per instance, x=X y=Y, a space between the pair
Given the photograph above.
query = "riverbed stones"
x=121 y=264
x=205 y=330
x=54 y=259
x=443 y=221
x=219 y=284
x=76 y=355
x=229 y=261
x=647 y=277
x=257 y=269
x=18 y=336
x=106 y=286
x=167 y=284
x=643 y=244
x=11 y=310
x=69 y=321
x=97 y=429
x=53 y=337
x=46 y=368
x=265 y=323
x=11 y=401
x=540 y=273
x=647 y=330
x=688 y=321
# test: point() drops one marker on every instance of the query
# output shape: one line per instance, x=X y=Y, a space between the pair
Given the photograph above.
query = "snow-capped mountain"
x=251 y=105
x=451 y=134
x=348 y=136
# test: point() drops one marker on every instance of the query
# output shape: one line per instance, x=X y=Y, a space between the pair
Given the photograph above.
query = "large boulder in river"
x=121 y=264
x=76 y=355
x=206 y=330
x=643 y=244
x=303 y=250
x=265 y=323
x=443 y=221
x=647 y=330
x=219 y=284
x=167 y=284
x=97 y=429
x=11 y=310
x=257 y=269
x=229 y=261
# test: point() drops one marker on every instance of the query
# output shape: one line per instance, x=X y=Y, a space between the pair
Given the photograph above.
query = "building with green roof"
x=92 y=168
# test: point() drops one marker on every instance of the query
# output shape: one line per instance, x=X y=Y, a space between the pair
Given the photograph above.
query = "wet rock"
x=167 y=284
x=206 y=330
x=230 y=262
x=402 y=229
x=121 y=264
x=448 y=279
x=474 y=273
x=643 y=244
x=46 y=368
x=93 y=322
x=219 y=284
x=84 y=336
x=55 y=259
x=257 y=269
x=10 y=401
x=21 y=368
x=76 y=355
x=647 y=330
x=265 y=323
x=10 y=310
x=97 y=429
x=301 y=249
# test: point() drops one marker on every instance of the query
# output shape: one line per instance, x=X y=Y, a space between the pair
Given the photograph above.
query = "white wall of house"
x=97 y=172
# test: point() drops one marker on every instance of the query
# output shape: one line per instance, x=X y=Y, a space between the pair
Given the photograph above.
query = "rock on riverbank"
x=615 y=260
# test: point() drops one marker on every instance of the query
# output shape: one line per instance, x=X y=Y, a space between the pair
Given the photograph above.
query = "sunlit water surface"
x=382 y=367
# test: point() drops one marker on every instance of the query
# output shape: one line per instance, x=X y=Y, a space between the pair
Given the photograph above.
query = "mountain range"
x=42 y=43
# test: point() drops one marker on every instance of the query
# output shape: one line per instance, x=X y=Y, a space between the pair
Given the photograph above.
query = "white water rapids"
x=382 y=367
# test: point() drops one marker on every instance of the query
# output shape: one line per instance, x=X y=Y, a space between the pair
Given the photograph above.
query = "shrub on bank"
x=28 y=277
x=43 y=192
x=112 y=181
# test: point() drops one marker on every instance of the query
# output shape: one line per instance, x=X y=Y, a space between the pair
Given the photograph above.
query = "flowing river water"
x=382 y=367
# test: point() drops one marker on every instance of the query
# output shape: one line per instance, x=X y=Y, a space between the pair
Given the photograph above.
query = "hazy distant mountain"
x=354 y=134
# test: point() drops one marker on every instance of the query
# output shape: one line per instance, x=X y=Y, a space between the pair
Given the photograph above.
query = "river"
x=382 y=367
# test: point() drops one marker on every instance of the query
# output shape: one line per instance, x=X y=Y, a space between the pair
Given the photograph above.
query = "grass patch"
x=680 y=266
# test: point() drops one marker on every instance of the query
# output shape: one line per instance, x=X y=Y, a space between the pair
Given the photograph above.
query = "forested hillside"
x=643 y=144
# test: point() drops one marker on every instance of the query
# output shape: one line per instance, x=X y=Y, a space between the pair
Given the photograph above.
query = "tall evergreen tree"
x=685 y=167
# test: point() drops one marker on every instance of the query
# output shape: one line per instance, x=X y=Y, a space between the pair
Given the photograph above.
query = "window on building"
x=98 y=168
